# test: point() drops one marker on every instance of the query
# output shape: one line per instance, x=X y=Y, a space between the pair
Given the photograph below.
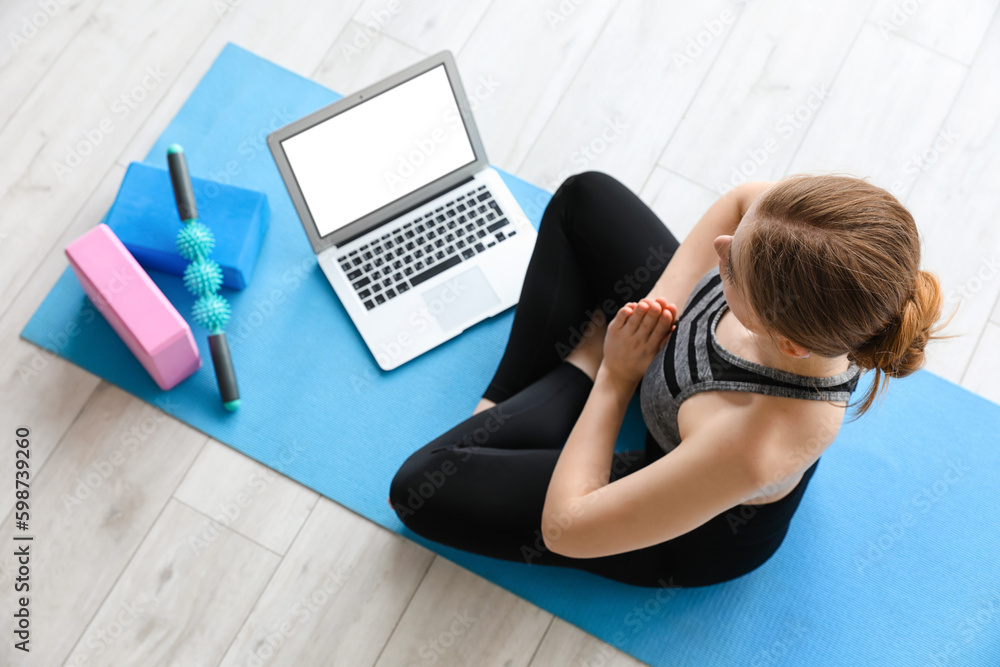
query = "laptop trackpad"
x=455 y=302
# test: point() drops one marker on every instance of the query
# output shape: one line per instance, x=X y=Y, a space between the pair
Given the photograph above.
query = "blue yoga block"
x=144 y=216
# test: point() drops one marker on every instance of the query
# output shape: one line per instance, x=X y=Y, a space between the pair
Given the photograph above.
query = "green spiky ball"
x=202 y=277
x=211 y=311
x=195 y=241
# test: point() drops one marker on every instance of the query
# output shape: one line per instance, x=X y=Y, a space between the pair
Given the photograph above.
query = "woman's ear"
x=721 y=244
x=792 y=349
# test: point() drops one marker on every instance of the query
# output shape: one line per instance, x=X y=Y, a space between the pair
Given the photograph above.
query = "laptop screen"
x=377 y=151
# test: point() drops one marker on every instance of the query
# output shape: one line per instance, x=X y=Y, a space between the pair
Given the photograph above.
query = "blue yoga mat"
x=892 y=558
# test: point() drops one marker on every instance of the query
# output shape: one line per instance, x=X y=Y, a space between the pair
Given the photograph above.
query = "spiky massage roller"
x=203 y=277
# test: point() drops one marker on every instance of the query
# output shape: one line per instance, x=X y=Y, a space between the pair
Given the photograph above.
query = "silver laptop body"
x=419 y=237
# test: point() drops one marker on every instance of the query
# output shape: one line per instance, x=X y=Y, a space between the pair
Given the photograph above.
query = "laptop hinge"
x=418 y=204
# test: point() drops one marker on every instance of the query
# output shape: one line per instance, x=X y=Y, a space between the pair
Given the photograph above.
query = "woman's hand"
x=635 y=335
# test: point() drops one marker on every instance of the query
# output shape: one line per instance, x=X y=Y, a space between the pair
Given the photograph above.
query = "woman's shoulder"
x=783 y=434
x=793 y=433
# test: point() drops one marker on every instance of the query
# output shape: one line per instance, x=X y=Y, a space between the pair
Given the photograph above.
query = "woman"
x=789 y=291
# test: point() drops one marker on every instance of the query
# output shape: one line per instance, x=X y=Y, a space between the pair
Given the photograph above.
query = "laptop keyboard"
x=391 y=264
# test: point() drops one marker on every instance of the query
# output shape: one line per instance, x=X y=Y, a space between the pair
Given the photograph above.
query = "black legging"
x=481 y=486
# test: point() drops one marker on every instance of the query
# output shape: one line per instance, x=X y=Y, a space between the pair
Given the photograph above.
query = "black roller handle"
x=224 y=372
x=181 y=180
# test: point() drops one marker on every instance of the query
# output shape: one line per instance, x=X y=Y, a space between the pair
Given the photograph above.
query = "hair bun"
x=898 y=349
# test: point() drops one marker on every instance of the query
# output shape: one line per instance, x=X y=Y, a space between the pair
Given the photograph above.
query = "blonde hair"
x=834 y=265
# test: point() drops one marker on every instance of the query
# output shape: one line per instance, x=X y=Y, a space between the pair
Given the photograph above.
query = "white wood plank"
x=296 y=37
x=459 y=618
x=247 y=497
x=353 y=63
x=956 y=203
x=37 y=388
x=954 y=29
x=884 y=111
x=566 y=644
x=677 y=201
x=92 y=504
x=983 y=375
x=630 y=92
x=181 y=599
x=35 y=33
x=428 y=26
x=336 y=596
x=757 y=103
x=72 y=110
x=519 y=62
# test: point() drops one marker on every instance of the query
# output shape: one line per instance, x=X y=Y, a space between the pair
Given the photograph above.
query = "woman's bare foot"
x=589 y=352
x=484 y=404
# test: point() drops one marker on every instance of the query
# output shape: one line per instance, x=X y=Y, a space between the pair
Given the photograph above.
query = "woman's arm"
x=584 y=464
x=585 y=516
x=711 y=471
x=633 y=337
x=696 y=254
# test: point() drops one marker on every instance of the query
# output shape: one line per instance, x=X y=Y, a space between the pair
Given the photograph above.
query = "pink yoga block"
x=134 y=306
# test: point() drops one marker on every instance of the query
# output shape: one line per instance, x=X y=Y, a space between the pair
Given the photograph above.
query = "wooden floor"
x=147 y=555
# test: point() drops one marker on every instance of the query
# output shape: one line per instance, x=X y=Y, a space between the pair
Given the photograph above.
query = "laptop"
x=419 y=237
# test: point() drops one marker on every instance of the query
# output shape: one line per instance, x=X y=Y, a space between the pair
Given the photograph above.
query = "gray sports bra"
x=693 y=361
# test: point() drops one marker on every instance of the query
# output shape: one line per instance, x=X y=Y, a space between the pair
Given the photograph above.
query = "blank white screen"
x=380 y=150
